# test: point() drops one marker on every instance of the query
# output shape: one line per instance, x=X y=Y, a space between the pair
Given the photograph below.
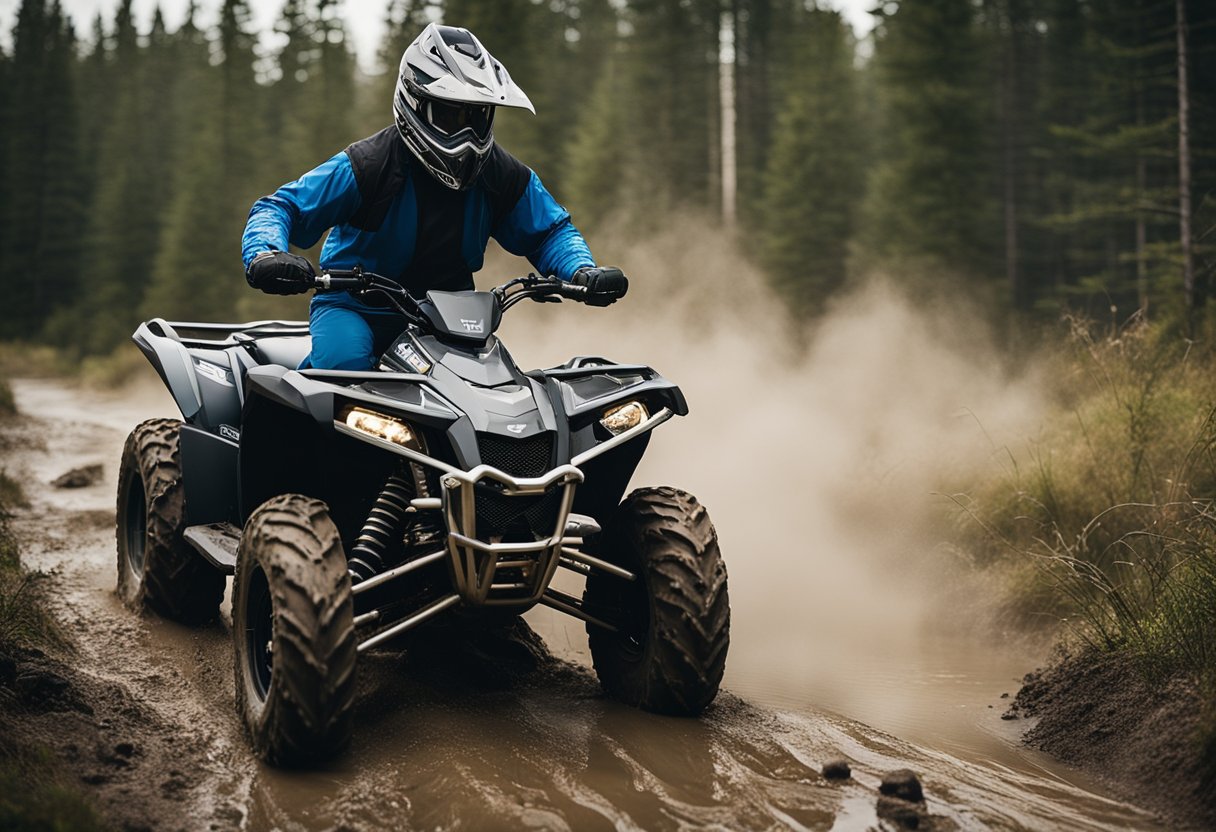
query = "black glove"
x=280 y=273
x=605 y=284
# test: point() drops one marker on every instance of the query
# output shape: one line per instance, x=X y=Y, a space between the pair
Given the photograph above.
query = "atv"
x=352 y=507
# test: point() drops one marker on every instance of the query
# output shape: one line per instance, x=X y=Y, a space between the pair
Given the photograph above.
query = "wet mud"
x=512 y=732
x=1099 y=710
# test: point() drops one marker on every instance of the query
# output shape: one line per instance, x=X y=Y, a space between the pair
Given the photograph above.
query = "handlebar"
x=541 y=289
x=350 y=284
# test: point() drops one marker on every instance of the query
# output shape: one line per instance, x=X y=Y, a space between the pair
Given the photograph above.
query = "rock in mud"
x=8 y=670
x=81 y=477
x=903 y=814
x=36 y=686
x=903 y=784
x=902 y=801
x=837 y=770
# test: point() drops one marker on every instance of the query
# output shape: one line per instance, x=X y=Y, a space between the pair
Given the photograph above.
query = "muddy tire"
x=156 y=567
x=670 y=653
x=294 y=633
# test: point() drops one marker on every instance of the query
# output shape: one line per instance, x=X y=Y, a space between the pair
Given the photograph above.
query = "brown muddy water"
x=818 y=463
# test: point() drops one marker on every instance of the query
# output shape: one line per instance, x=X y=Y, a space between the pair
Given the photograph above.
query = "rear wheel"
x=294 y=633
x=156 y=567
x=669 y=652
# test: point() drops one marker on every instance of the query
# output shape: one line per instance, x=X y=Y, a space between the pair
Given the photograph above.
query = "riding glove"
x=605 y=284
x=280 y=273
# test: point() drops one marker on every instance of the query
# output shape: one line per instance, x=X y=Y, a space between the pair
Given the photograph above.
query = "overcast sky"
x=364 y=17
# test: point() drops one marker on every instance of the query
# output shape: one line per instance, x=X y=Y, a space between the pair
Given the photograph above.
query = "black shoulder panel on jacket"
x=381 y=170
x=505 y=179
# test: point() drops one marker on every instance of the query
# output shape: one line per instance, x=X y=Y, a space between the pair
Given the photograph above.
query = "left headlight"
x=620 y=419
x=388 y=428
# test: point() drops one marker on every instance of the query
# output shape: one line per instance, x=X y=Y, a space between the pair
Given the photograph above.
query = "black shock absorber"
x=384 y=527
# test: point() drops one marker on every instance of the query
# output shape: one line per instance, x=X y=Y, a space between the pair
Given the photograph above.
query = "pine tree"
x=671 y=103
x=125 y=214
x=42 y=177
x=23 y=182
x=286 y=127
x=768 y=62
x=197 y=270
x=928 y=202
x=332 y=93
x=813 y=177
x=1115 y=179
x=594 y=176
x=58 y=268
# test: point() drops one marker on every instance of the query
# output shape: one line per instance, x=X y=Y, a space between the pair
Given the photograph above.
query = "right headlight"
x=619 y=419
x=388 y=428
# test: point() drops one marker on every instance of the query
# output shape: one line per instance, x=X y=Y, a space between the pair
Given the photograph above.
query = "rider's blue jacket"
x=391 y=217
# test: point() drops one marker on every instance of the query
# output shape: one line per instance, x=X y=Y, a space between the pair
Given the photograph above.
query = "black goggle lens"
x=450 y=119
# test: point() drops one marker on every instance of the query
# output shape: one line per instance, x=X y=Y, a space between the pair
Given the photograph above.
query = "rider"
x=422 y=217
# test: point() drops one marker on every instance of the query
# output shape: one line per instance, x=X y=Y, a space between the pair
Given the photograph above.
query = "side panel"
x=607 y=477
x=216 y=384
x=209 y=471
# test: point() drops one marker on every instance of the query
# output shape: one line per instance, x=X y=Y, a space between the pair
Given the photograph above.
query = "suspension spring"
x=383 y=528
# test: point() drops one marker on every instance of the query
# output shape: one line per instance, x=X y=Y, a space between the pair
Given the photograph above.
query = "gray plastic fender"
x=174 y=365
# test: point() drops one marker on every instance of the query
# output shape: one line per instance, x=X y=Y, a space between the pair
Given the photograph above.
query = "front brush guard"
x=475 y=562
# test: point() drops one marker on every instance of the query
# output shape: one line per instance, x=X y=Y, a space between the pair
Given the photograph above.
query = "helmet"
x=448 y=86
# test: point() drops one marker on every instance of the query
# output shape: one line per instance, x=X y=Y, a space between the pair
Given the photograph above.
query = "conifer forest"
x=1046 y=154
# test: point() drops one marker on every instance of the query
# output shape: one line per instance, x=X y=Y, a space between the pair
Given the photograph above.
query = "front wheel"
x=669 y=651
x=294 y=633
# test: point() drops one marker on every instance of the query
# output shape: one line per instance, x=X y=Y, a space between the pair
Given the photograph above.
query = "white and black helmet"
x=447 y=88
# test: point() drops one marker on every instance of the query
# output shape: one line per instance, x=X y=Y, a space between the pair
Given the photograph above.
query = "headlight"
x=380 y=426
x=620 y=419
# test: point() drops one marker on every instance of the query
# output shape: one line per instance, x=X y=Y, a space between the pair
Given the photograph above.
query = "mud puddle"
x=493 y=739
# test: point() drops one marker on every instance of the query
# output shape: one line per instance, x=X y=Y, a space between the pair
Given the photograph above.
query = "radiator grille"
x=498 y=514
x=529 y=457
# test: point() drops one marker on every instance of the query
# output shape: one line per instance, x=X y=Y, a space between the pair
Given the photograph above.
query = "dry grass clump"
x=8 y=404
x=1107 y=519
x=24 y=620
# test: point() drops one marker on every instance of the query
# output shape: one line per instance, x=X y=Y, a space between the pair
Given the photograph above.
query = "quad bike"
x=354 y=506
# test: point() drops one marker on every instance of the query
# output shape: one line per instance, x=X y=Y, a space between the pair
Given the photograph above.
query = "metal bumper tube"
x=475 y=562
x=408 y=623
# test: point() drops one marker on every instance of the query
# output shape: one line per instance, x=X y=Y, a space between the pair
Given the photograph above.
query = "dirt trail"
x=486 y=738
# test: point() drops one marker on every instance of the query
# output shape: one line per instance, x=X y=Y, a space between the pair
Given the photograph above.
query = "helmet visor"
x=450 y=118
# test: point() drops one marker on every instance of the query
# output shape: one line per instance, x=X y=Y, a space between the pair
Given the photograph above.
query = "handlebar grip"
x=325 y=281
x=572 y=291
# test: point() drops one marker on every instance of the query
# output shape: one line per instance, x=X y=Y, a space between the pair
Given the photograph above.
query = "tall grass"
x=24 y=620
x=1106 y=520
x=38 y=791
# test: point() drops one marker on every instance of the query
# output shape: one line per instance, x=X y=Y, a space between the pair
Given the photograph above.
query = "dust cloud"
x=818 y=452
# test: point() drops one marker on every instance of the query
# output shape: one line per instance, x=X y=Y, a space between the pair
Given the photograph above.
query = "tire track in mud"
x=472 y=733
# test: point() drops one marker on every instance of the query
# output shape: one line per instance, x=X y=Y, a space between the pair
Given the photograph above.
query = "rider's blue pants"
x=347 y=334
